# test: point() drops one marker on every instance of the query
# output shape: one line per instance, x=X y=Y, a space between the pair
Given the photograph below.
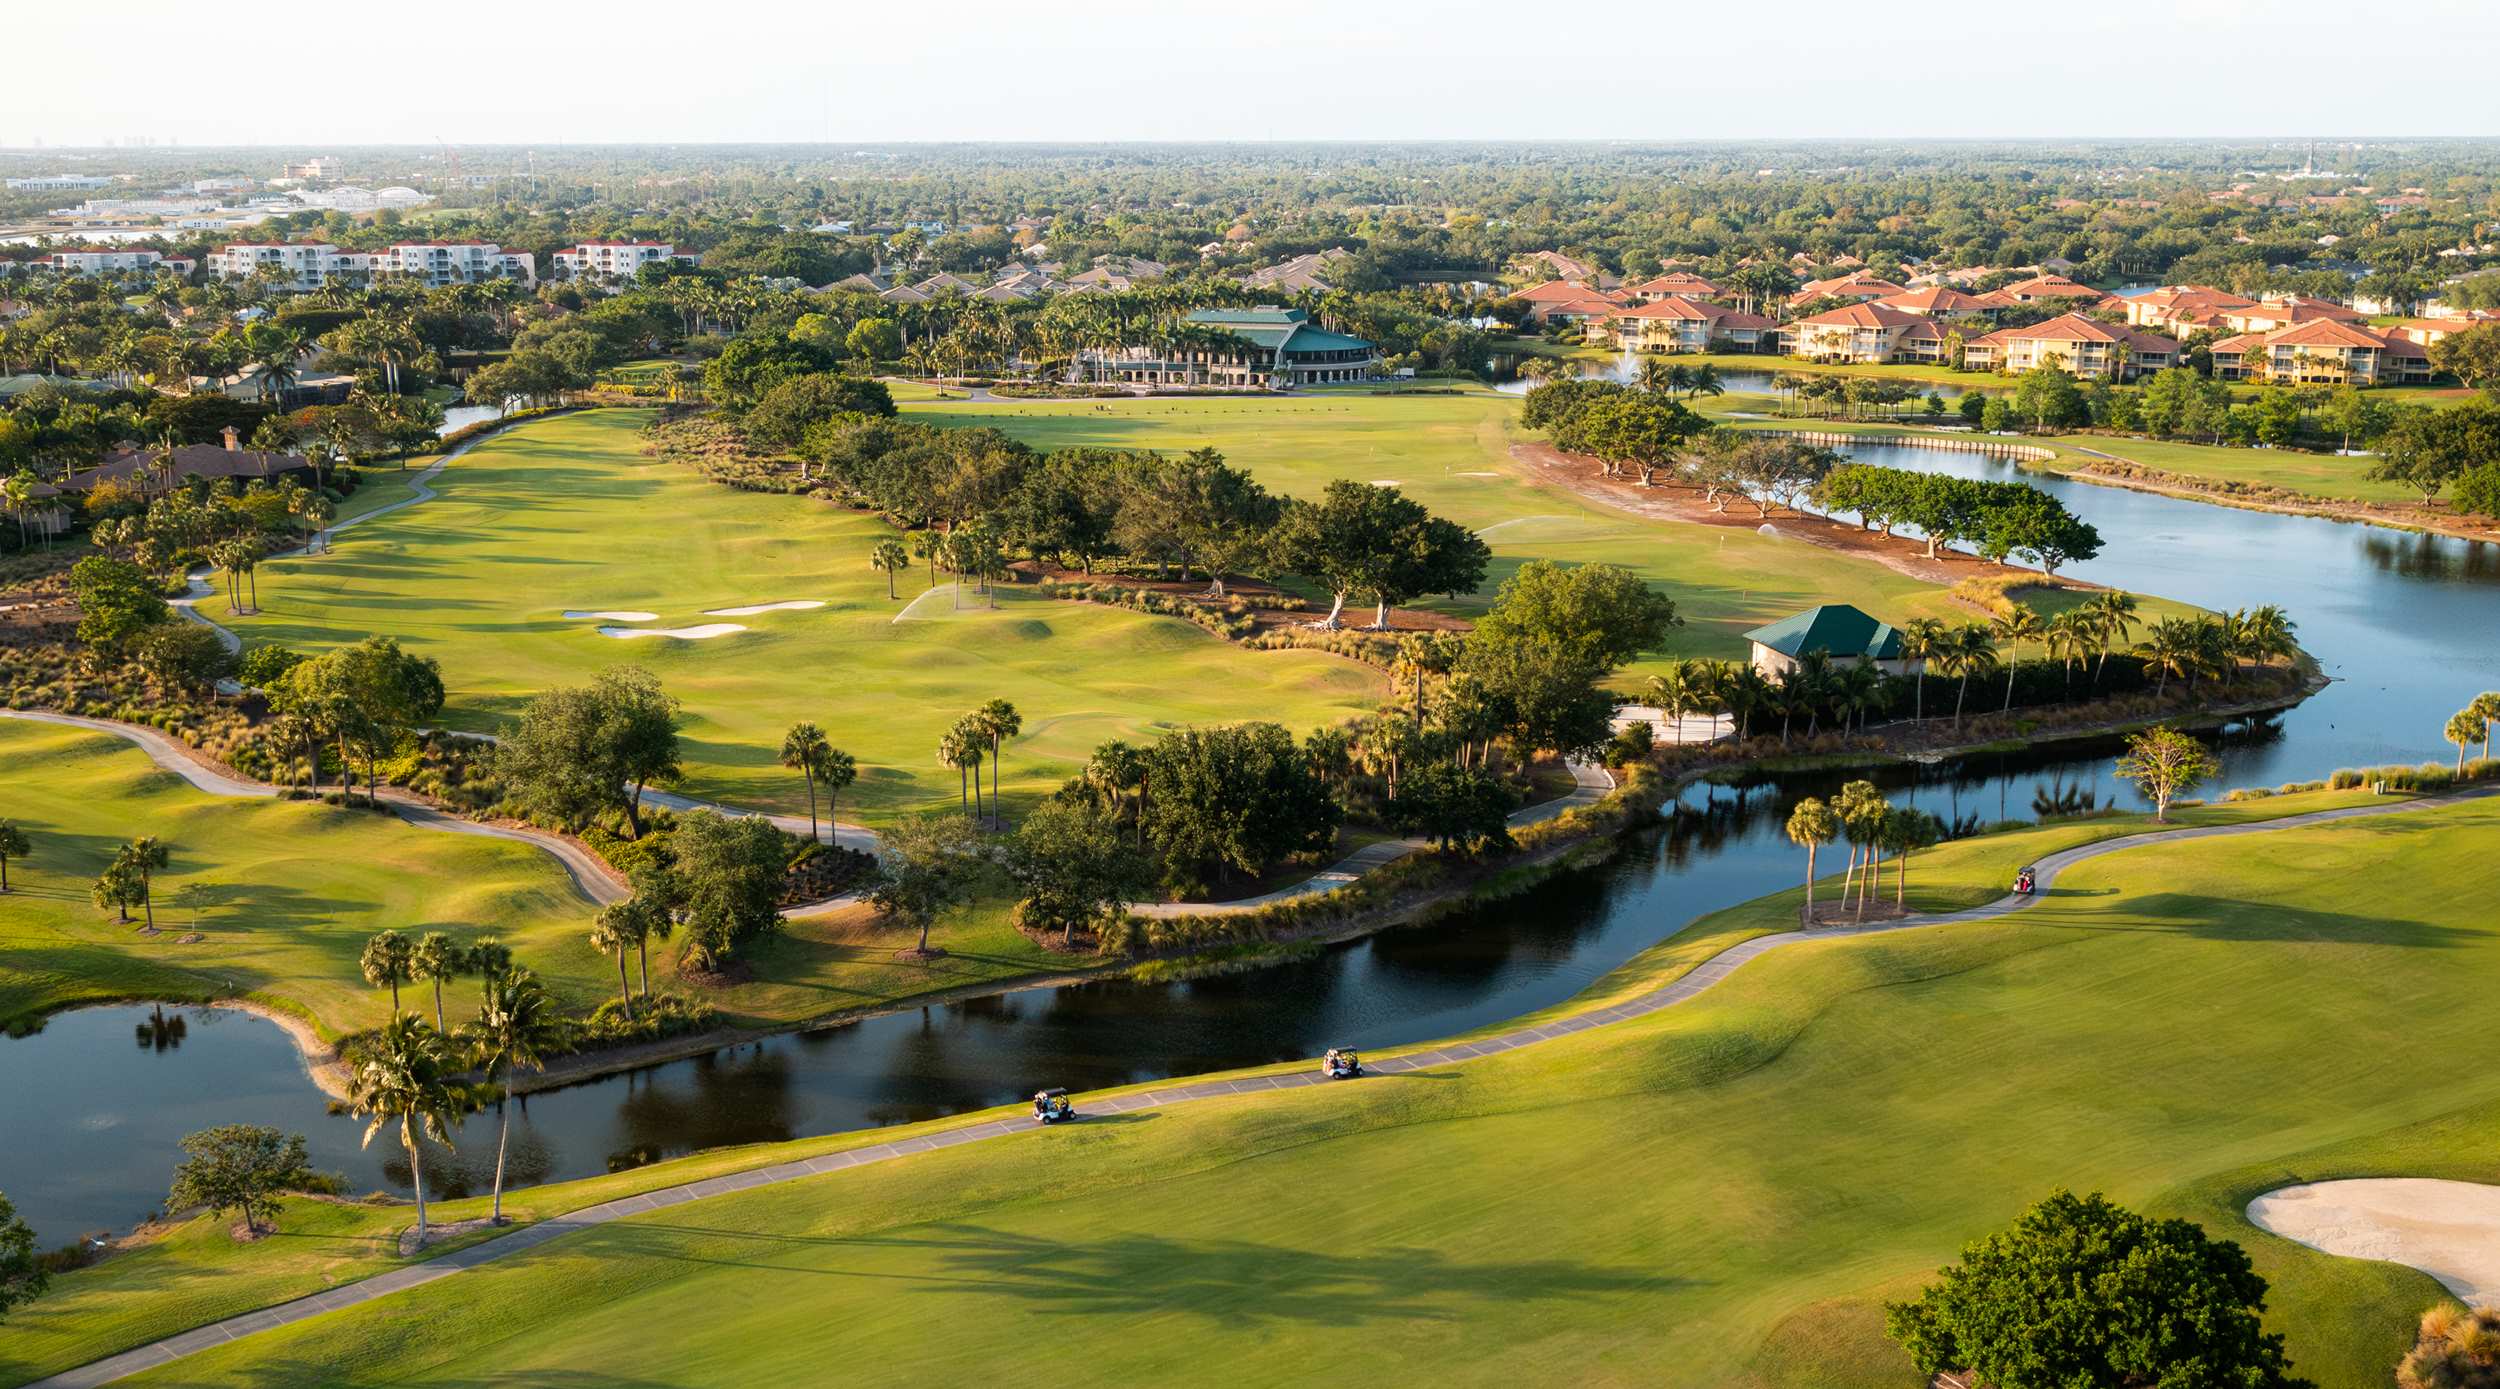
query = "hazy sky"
x=415 y=71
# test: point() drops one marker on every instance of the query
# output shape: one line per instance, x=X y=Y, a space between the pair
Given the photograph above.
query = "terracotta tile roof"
x=1679 y=283
x=2049 y=287
x=1563 y=291
x=1935 y=299
x=1864 y=316
x=2191 y=299
x=1858 y=284
x=2074 y=327
x=1675 y=306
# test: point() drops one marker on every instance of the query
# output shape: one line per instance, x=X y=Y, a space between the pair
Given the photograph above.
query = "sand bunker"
x=751 y=609
x=703 y=633
x=613 y=615
x=1479 y=474
x=2449 y=1230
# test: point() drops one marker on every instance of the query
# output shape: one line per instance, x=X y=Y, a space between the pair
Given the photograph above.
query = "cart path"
x=1692 y=983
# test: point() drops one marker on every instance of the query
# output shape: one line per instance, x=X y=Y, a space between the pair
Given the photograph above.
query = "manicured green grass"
x=1718 y=1195
x=2318 y=474
x=568 y=514
x=1452 y=453
x=285 y=894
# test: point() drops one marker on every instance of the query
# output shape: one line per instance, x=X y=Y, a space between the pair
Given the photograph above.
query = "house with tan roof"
x=2082 y=346
x=1857 y=284
x=1675 y=284
x=1940 y=302
x=1563 y=267
x=2428 y=331
x=1569 y=301
x=1867 y=333
x=2041 y=287
x=2323 y=352
x=2181 y=308
x=2287 y=311
x=1678 y=324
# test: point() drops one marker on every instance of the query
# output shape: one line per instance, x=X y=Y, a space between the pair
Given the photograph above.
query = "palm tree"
x=2068 y=637
x=13 y=844
x=2017 y=624
x=2465 y=728
x=489 y=960
x=1906 y=831
x=803 y=751
x=838 y=770
x=406 y=1075
x=2113 y=621
x=998 y=721
x=1811 y=824
x=1673 y=693
x=388 y=961
x=144 y=856
x=928 y=545
x=2486 y=707
x=517 y=1026
x=1703 y=380
x=1923 y=641
x=2263 y=634
x=436 y=959
x=619 y=927
x=1860 y=808
x=1970 y=651
x=2172 y=647
x=890 y=558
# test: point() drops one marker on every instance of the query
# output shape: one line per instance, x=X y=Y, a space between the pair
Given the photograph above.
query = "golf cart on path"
x=1341 y=1064
x=1052 y=1106
x=2023 y=882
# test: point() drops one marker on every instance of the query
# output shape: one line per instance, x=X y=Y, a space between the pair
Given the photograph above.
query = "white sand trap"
x=1386 y=482
x=937 y=602
x=614 y=615
x=705 y=632
x=1479 y=474
x=751 y=609
x=2449 y=1230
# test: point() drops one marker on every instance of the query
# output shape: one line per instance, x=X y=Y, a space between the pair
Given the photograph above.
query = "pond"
x=2401 y=621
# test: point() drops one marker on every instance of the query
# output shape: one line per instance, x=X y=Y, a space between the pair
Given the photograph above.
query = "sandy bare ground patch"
x=751 y=609
x=611 y=615
x=2449 y=1230
x=705 y=632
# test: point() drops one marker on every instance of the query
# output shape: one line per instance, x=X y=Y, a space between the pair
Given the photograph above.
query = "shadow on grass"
x=1231 y=1281
x=2226 y=919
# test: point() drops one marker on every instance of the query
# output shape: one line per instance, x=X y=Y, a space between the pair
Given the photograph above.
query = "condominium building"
x=57 y=183
x=2078 y=345
x=2181 y=308
x=107 y=260
x=1678 y=324
x=308 y=264
x=1867 y=333
x=456 y=262
x=314 y=264
x=610 y=260
x=2323 y=352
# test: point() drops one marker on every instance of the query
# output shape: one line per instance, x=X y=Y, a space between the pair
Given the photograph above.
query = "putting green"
x=567 y=514
x=1719 y=1194
x=284 y=894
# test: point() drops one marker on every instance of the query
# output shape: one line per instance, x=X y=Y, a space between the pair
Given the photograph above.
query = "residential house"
x=1300 y=275
x=1678 y=324
x=1674 y=285
x=153 y=471
x=1867 y=333
x=1562 y=267
x=109 y=260
x=1940 y=302
x=1842 y=634
x=2429 y=331
x=865 y=282
x=2285 y=311
x=2323 y=352
x=2181 y=308
x=1857 y=284
x=2085 y=347
x=1569 y=301
x=2043 y=287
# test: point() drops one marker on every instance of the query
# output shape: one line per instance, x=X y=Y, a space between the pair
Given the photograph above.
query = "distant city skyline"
x=152 y=71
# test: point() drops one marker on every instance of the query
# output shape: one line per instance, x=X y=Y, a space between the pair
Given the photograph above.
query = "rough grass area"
x=1721 y=1194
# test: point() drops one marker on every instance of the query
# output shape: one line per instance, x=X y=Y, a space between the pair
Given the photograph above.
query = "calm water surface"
x=90 y=1110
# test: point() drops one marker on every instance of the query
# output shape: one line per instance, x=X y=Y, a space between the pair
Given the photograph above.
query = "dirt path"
x=1689 y=986
x=1580 y=477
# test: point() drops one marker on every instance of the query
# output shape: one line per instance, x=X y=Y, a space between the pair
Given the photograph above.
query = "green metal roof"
x=1288 y=330
x=1834 y=628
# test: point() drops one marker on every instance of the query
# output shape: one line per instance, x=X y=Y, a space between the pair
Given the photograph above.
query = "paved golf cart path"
x=1700 y=978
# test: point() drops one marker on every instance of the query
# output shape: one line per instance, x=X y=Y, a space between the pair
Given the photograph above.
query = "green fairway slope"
x=1718 y=1194
x=567 y=514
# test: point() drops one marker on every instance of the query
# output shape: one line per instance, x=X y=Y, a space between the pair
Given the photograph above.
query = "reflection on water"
x=2402 y=622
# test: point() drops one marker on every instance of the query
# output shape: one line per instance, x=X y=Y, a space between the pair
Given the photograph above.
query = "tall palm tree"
x=838 y=770
x=2486 y=706
x=1812 y=825
x=997 y=721
x=1674 y=692
x=1970 y=651
x=2068 y=639
x=1923 y=642
x=517 y=1026
x=2172 y=647
x=803 y=751
x=889 y=558
x=434 y=960
x=2464 y=728
x=928 y=545
x=619 y=927
x=2113 y=622
x=387 y=961
x=2017 y=624
x=407 y=1076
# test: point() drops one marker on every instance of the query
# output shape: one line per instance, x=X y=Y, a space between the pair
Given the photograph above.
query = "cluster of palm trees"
x=977 y=738
x=805 y=750
x=2216 y=648
x=2472 y=724
x=414 y=1075
x=1860 y=395
x=1873 y=827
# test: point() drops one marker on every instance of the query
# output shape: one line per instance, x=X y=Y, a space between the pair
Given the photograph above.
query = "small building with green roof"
x=1272 y=347
x=1841 y=632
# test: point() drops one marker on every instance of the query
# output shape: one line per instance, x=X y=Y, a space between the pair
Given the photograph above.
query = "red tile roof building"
x=2083 y=346
x=2323 y=352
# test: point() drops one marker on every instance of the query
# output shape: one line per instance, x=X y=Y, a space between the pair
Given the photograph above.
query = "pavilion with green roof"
x=1240 y=347
x=1841 y=632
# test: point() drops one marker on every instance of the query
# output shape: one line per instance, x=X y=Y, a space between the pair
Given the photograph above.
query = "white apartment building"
x=610 y=260
x=104 y=260
x=57 y=183
x=314 y=264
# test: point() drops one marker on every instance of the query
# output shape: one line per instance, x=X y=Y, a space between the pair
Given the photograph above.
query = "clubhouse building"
x=1840 y=632
x=1275 y=349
